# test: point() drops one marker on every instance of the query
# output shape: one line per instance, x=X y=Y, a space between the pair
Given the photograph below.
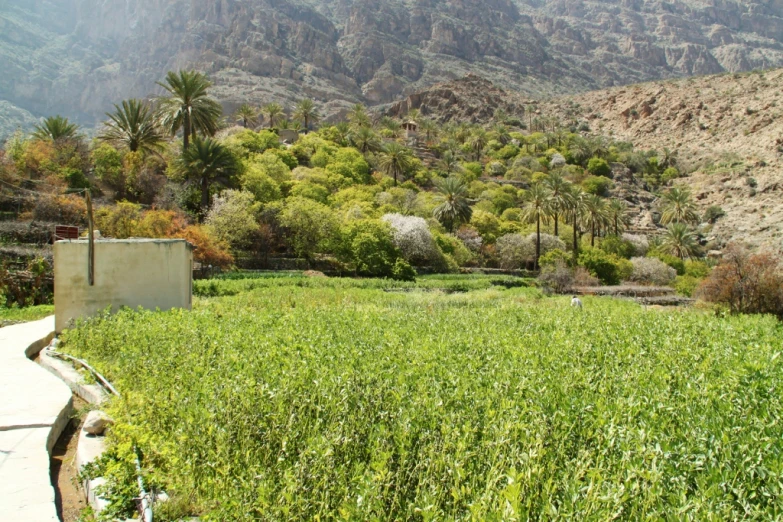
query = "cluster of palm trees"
x=305 y=115
x=678 y=212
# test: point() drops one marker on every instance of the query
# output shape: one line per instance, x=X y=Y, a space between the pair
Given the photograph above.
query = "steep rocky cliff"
x=77 y=56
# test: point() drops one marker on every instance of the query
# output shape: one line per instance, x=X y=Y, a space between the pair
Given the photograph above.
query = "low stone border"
x=89 y=447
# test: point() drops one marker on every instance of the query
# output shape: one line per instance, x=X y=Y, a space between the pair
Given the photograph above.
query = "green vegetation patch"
x=337 y=400
x=14 y=315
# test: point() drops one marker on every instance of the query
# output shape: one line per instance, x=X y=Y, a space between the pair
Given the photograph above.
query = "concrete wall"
x=151 y=273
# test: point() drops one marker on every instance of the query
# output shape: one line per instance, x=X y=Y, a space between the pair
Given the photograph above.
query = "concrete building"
x=147 y=273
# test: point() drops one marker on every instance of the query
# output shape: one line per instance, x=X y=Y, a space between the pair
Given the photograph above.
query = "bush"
x=640 y=244
x=670 y=174
x=208 y=250
x=618 y=246
x=232 y=218
x=371 y=248
x=608 y=268
x=413 y=238
x=648 y=270
x=554 y=256
x=451 y=246
x=557 y=276
x=686 y=285
x=119 y=221
x=403 y=271
x=29 y=287
x=599 y=167
x=515 y=250
x=598 y=185
x=673 y=261
x=64 y=210
x=312 y=226
x=697 y=269
x=487 y=225
x=713 y=214
x=746 y=282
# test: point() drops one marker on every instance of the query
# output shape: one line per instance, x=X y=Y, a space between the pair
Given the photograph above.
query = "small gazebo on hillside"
x=411 y=129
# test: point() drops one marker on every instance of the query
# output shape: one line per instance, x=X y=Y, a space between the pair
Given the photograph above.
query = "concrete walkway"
x=34 y=409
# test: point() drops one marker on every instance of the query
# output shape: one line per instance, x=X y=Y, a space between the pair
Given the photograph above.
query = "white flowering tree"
x=413 y=238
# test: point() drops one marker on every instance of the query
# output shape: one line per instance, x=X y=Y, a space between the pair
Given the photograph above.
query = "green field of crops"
x=318 y=399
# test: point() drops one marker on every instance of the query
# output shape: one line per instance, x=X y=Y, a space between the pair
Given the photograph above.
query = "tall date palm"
x=132 y=125
x=454 y=207
x=188 y=107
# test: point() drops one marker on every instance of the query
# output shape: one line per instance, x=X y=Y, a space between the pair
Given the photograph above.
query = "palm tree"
x=449 y=163
x=188 y=106
x=667 y=159
x=530 y=110
x=454 y=208
x=575 y=210
x=207 y=162
x=500 y=132
x=429 y=129
x=678 y=207
x=358 y=117
x=132 y=125
x=393 y=126
x=343 y=130
x=595 y=214
x=537 y=209
x=307 y=113
x=477 y=141
x=273 y=112
x=559 y=191
x=365 y=139
x=395 y=160
x=617 y=212
x=247 y=115
x=55 y=128
x=679 y=241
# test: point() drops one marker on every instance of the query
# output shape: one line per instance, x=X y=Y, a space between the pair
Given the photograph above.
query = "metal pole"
x=91 y=236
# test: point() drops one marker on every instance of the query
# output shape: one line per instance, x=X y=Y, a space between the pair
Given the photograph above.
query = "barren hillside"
x=727 y=131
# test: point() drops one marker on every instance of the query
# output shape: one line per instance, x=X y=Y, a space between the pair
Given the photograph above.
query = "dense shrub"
x=713 y=214
x=648 y=270
x=30 y=287
x=618 y=246
x=413 y=238
x=233 y=218
x=746 y=282
x=599 y=167
x=608 y=268
x=557 y=276
x=207 y=249
x=370 y=248
x=64 y=210
x=640 y=244
x=673 y=261
x=313 y=227
x=599 y=185
x=515 y=250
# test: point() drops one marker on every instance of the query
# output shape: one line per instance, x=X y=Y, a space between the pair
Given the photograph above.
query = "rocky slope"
x=77 y=56
x=725 y=130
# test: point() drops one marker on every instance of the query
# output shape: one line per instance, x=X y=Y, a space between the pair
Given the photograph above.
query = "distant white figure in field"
x=576 y=303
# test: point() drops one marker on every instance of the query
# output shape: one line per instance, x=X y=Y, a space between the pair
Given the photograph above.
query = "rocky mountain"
x=76 y=57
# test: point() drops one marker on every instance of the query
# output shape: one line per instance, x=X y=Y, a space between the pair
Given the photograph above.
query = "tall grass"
x=327 y=400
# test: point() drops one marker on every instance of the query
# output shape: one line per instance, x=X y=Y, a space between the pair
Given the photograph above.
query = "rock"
x=97 y=422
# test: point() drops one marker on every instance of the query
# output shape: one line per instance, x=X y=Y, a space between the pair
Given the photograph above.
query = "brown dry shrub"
x=65 y=210
x=746 y=282
x=208 y=250
x=583 y=277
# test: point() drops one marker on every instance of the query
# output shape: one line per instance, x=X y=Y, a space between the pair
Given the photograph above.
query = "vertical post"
x=91 y=236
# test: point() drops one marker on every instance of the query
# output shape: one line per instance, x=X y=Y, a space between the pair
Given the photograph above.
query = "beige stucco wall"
x=151 y=273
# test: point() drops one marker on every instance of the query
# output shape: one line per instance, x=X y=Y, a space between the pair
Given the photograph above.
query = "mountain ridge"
x=76 y=57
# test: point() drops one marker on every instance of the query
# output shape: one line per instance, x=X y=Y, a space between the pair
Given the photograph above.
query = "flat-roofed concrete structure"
x=147 y=273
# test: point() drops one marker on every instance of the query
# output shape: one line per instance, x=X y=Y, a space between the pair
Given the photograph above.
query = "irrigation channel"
x=69 y=497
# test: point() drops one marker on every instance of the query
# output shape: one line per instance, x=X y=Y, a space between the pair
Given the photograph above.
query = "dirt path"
x=69 y=495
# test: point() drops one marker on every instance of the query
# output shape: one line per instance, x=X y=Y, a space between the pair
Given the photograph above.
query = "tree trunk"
x=576 y=241
x=538 y=239
x=186 y=132
x=204 y=197
x=592 y=234
x=556 y=223
x=616 y=228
